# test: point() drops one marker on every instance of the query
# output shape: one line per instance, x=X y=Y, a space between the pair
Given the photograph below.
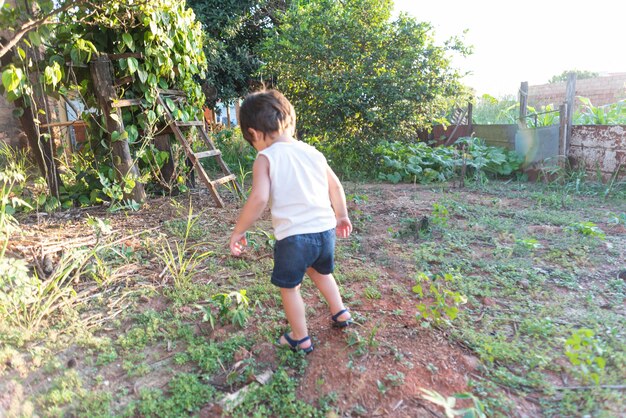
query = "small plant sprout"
x=395 y=379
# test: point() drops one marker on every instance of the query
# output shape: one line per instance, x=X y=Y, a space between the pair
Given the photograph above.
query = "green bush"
x=420 y=163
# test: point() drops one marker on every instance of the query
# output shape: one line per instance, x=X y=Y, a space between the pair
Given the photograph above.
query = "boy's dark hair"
x=267 y=111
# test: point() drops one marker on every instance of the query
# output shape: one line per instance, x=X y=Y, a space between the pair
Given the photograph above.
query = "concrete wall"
x=599 y=147
x=600 y=90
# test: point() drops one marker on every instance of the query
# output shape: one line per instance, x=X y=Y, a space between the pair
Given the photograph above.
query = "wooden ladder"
x=195 y=157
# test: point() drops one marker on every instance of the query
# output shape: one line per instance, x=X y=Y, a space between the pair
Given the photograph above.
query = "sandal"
x=341 y=324
x=295 y=344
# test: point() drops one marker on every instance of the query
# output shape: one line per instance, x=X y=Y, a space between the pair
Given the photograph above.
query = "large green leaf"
x=11 y=78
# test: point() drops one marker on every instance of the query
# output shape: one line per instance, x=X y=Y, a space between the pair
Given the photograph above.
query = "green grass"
x=533 y=270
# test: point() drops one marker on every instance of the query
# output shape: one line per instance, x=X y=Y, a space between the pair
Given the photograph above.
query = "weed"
x=588 y=229
x=63 y=391
x=372 y=292
x=412 y=227
x=277 y=399
x=382 y=388
x=182 y=259
x=26 y=300
x=617 y=218
x=528 y=244
x=95 y=404
x=586 y=352
x=354 y=339
x=266 y=240
x=359 y=410
x=212 y=357
x=134 y=366
x=232 y=307
x=395 y=379
x=445 y=305
x=477 y=410
x=440 y=215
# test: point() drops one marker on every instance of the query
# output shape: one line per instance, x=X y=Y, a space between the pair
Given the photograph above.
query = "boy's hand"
x=344 y=227
x=237 y=242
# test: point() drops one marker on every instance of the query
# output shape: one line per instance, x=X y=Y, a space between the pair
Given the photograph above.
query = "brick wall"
x=600 y=90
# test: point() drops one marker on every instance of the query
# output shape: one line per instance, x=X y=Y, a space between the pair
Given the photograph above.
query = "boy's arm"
x=256 y=203
x=338 y=200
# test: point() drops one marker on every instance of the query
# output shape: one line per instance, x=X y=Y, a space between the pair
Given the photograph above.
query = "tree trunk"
x=42 y=148
x=101 y=73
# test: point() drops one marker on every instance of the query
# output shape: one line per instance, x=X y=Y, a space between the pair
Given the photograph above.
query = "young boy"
x=308 y=208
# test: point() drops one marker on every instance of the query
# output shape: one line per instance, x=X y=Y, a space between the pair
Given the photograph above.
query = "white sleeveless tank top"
x=299 y=195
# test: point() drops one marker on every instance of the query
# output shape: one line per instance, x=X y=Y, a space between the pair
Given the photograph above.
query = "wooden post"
x=570 y=94
x=101 y=73
x=228 y=115
x=523 y=104
x=470 y=116
x=562 y=128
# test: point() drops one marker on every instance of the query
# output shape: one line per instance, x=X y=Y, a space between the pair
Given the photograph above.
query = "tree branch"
x=33 y=24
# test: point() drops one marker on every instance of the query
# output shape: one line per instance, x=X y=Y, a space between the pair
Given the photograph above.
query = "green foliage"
x=356 y=77
x=235 y=150
x=211 y=357
x=27 y=299
x=611 y=114
x=169 y=40
x=587 y=228
x=420 y=163
x=186 y=395
x=232 y=307
x=585 y=352
x=440 y=215
x=182 y=258
x=234 y=29
x=12 y=179
x=617 y=218
x=580 y=75
x=276 y=399
x=445 y=303
x=489 y=110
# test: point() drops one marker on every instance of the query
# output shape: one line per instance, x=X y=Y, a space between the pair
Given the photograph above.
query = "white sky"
x=527 y=41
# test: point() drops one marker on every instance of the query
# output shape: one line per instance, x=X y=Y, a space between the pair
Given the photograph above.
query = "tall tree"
x=357 y=77
x=234 y=29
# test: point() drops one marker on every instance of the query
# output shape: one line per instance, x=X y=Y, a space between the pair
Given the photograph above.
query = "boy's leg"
x=294 y=309
x=329 y=289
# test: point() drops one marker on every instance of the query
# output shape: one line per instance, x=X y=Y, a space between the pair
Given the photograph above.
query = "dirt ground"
x=397 y=357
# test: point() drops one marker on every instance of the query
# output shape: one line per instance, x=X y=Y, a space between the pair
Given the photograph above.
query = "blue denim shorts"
x=294 y=254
